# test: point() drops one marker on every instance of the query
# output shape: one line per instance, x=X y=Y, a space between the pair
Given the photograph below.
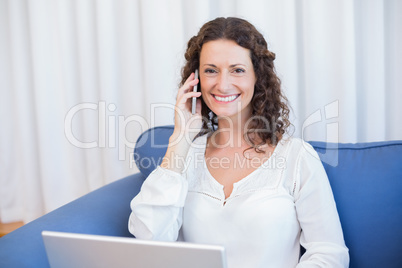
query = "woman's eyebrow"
x=231 y=66
x=212 y=65
x=236 y=64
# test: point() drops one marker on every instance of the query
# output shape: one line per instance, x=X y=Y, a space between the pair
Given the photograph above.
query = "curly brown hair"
x=270 y=113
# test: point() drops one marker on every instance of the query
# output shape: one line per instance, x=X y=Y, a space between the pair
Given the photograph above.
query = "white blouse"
x=285 y=203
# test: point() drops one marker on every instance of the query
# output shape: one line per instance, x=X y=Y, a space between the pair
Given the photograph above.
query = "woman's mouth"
x=226 y=99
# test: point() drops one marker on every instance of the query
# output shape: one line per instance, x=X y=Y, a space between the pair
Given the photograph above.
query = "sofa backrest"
x=366 y=180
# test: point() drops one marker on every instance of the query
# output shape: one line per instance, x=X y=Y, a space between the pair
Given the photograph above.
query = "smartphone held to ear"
x=194 y=103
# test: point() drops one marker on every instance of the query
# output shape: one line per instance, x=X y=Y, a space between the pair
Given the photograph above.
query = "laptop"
x=83 y=250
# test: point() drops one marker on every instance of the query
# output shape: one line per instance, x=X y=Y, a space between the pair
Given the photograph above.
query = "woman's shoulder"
x=302 y=159
x=298 y=147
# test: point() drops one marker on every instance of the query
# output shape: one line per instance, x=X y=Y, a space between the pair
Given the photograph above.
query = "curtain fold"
x=81 y=80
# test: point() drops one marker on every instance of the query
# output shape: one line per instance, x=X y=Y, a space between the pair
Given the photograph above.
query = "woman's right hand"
x=186 y=124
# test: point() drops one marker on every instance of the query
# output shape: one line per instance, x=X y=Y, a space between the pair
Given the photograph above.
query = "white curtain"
x=81 y=79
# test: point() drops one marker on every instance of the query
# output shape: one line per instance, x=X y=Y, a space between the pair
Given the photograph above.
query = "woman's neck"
x=230 y=133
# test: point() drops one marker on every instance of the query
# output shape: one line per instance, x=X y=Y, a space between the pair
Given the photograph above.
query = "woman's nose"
x=223 y=81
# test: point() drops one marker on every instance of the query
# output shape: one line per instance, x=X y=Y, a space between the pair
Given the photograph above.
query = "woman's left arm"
x=321 y=235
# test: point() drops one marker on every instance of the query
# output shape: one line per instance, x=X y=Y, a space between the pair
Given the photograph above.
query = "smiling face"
x=227 y=78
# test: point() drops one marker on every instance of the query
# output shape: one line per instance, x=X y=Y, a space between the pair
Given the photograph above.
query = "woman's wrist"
x=179 y=144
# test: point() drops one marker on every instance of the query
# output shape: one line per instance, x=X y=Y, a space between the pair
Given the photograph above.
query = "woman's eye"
x=210 y=71
x=239 y=70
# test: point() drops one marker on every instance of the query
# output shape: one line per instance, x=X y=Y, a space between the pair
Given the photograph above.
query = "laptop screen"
x=83 y=250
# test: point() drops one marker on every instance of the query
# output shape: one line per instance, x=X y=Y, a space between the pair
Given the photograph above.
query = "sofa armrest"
x=104 y=211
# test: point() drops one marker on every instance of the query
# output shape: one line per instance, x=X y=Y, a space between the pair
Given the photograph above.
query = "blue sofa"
x=366 y=179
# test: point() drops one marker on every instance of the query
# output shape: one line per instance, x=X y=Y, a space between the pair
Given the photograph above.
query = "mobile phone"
x=194 y=103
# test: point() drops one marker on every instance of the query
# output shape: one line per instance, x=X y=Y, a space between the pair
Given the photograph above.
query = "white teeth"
x=226 y=99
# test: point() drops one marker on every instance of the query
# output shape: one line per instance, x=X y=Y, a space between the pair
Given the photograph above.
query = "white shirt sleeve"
x=321 y=234
x=157 y=209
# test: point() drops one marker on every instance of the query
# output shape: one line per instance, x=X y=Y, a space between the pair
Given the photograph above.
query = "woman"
x=243 y=184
